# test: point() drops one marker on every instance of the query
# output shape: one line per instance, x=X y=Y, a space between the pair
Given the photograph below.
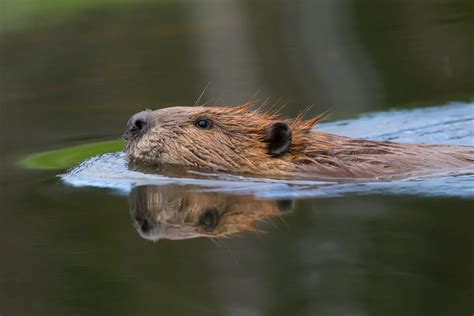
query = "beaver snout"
x=138 y=122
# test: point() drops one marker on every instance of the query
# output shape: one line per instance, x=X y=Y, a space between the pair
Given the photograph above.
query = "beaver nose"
x=138 y=121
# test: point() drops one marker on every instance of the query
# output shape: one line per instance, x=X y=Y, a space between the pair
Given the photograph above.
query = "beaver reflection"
x=182 y=212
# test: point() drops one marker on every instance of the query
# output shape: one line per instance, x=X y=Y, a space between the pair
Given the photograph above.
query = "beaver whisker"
x=198 y=100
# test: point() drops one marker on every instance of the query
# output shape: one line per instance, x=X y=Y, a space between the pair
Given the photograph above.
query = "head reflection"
x=182 y=212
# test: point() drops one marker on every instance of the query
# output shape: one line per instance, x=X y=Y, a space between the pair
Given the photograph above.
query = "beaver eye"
x=209 y=219
x=203 y=123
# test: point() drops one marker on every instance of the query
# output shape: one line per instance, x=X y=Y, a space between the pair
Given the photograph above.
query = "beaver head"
x=235 y=139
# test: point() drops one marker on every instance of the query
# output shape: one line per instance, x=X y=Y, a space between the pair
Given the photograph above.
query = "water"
x=73 y=72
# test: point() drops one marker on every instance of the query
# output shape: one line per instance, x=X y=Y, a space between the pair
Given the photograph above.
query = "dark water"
x=74 y=73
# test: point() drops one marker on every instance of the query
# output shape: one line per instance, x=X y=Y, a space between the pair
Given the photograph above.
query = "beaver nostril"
x=139 y=124
x=138 y=121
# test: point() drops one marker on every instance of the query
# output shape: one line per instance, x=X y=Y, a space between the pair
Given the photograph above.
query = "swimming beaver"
x=244 y=139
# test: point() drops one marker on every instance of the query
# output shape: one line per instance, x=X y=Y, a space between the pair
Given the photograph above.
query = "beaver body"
x=241 y=139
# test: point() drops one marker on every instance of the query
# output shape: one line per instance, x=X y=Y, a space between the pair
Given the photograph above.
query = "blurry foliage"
x=23 y=13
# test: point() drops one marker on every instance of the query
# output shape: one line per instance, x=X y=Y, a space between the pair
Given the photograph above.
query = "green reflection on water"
x=70 y=156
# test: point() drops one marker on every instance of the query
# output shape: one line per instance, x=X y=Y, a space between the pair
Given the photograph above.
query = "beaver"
x=172 y=212
x=246 y=139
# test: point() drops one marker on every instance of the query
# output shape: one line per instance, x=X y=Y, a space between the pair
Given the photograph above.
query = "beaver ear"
x=278 y=138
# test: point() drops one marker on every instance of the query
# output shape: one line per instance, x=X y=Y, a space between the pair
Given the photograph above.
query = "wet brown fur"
x=237 y=143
